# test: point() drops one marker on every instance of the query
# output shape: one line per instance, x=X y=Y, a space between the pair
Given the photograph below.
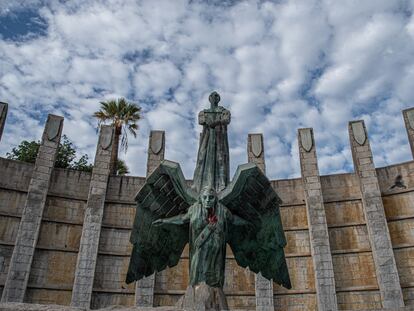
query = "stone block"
x=264 y=288
x=317 y=222
x=156 y=151
x=408 y=116
x=382 y=252
x=88 y=251
x=18 y=274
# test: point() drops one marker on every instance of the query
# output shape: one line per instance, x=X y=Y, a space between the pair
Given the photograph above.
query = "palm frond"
x=132 y=128
x=124 y=140
x=120 y=113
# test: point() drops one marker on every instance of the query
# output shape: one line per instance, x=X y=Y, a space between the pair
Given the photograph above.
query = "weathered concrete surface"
x=34 y=307
x=408 y=116
x=40 y=307
x=354 y=267
x=89 y=243
x=156 y=150
x=318 y=228
x=28 y=232
x=378 y=232
x=263 y=287
x=353 y=262
x=144 y=290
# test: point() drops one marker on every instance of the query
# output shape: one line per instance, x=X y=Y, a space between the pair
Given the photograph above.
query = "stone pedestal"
x=202 y=297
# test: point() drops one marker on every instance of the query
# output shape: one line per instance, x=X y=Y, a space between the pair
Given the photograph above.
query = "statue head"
x=214 y=99
x=208 y=197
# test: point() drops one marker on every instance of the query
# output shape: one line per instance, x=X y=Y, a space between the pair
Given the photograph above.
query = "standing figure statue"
x=213 y=165
x=243 y=213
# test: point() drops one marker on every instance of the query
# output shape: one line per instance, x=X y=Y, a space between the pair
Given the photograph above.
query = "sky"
x=278 y=66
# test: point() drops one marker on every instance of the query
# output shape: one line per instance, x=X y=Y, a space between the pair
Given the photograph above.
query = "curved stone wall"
x=54 y=263
x=350 y=236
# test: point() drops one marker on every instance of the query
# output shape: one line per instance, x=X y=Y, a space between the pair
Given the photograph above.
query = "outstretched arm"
x=176 y=220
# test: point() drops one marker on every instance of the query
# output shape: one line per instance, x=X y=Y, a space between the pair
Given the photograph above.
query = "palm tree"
x=124 y=116
x=121 y=168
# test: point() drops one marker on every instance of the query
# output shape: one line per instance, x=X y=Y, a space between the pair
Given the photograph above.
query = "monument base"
x=202 y=297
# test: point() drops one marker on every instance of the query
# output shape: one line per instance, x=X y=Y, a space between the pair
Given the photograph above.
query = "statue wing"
x=258 y=246
x=164 y=194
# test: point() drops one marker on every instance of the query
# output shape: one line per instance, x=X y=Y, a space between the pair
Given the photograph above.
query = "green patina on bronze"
x=212 y=168
x=243 y=213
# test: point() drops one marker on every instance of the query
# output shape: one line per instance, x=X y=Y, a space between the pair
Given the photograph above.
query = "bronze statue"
x=243 y=213
x=213 y=155
x=209 y=221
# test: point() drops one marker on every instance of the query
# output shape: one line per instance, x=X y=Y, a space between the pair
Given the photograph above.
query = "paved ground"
x=38 y=307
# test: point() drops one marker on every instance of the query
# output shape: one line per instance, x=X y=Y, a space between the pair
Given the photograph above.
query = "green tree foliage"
x=26 y=151
x=65 y=158
x=124 y=116
x=82 y=164
x=122 y=168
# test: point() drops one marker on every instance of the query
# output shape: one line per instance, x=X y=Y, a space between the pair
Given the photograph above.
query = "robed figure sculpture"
x=213 y=165
x=213 y=212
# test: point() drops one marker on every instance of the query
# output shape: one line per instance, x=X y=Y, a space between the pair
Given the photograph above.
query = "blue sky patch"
x=310 y=67
x=22 y=25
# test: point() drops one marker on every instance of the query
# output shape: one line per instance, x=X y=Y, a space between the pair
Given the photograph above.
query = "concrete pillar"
x=28 y=233
x=156 y=150
x=88 y=249
x=408 y=115
x=144 y=290
x=255 y=151
x=379 y=236
x=318 y=228
x=3 y=115
x=263 y=287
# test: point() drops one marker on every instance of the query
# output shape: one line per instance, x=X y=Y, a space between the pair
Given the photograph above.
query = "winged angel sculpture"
x=213 y=212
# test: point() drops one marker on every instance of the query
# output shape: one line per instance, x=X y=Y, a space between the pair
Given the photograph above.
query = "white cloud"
x=278 y=66
x=156 y=78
